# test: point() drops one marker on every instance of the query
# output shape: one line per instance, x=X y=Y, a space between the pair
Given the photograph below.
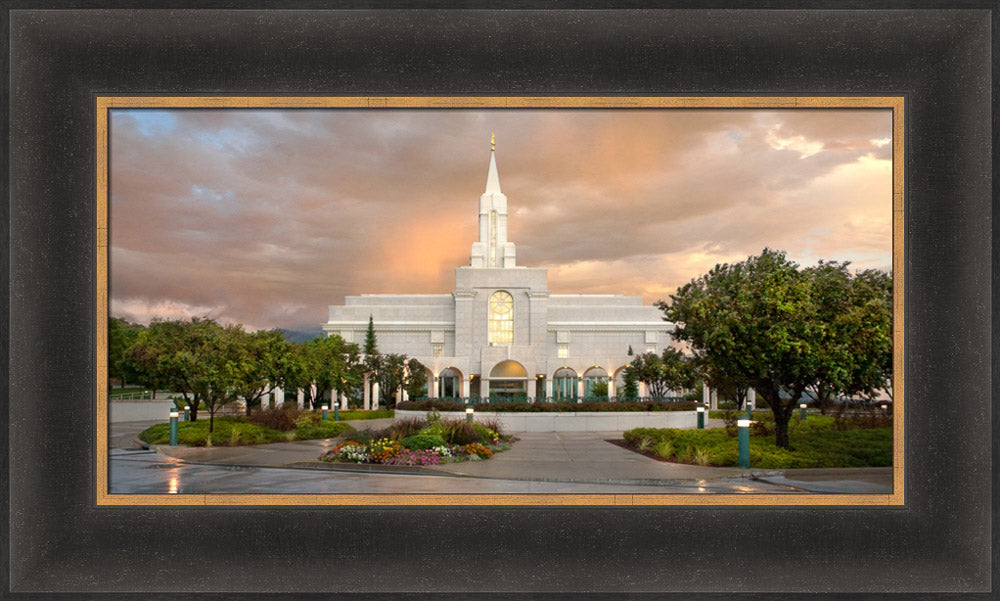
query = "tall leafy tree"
x=756 y=321
x=198 y=359
x=331 y=363
x=121 y=336
x=263 y=364
x=416 y=379
x=391 y=376
x=663 y=373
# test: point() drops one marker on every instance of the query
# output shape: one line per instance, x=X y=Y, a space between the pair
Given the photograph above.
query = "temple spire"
x=493 y=178
x=492 y=250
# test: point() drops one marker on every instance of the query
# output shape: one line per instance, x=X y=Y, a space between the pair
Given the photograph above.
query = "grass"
x=237 y=431
x=378 y=414
x=814 y=443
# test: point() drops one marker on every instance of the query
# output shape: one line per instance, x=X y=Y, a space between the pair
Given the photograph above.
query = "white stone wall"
x=576 y=421
x=599 y=328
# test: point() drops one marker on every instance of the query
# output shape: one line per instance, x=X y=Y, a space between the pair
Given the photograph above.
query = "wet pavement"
x=143 y=471
x=549 y=462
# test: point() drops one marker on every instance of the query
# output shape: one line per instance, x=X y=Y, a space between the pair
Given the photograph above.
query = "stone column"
x=484 y=388
x=531 y=390
x=752 y=397
x=580 y=389
x=312 y=391
x=343 y=401
x=715 y=398
x=279 y=396
x=706 y=393
x=375 y=395
x=399 y=394
x=368 y=393
x=434 y=387
x=643 y=391
x=466 y=382
x=300 y=397
x=405 y=395
x=548 y=388
x=611 y=387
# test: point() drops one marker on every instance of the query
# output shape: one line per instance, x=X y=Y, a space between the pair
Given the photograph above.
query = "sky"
x=267 y=217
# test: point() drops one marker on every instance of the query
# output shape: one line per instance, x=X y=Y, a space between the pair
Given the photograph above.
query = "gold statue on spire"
x=493 y=141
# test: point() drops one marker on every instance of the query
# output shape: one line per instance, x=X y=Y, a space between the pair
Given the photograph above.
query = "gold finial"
x=493 y=141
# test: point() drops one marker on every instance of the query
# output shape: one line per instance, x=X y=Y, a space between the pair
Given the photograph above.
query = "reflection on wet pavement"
x=149 y=472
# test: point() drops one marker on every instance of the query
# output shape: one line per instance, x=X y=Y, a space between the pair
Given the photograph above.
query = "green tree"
x=630 y=384
x=599 y=389
x=371 y=343
x=757 y=322
x=121 y=336
x=330 y=363
x=263 y=365
x=416 y=379
x=661 y=374
x=198 y=359
x=391 y=376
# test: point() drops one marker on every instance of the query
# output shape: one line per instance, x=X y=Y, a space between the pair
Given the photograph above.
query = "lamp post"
x=173 y=427
x=744 y=434
x=701 y=417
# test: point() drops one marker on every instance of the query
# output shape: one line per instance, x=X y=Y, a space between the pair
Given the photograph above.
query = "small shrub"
x=684 y=454
x=405 y=428
x=702 y=457
x=664 y=449
x=283 y=418
x=420 y=442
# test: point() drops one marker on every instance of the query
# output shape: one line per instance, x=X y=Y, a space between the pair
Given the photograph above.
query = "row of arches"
x=510 y=379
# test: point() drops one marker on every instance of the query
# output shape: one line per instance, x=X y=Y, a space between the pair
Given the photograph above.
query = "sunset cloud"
x=265 y=217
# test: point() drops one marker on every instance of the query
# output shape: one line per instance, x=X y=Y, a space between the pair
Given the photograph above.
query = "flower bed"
x=389 y=453
x=421 y=442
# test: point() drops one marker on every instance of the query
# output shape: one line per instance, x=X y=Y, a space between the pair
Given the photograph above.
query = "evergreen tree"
x=371 y=345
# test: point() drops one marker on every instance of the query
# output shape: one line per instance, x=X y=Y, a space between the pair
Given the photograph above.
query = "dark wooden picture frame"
x=59 y=540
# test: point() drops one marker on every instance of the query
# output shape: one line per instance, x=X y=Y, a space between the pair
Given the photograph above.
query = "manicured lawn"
x=235 y=431
x=814 y=443
x=349 y=415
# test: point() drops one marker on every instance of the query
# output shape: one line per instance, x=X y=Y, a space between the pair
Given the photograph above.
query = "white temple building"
x=501 y=333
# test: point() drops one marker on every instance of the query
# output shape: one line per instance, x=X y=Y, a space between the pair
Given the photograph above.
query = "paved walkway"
x=567 y=457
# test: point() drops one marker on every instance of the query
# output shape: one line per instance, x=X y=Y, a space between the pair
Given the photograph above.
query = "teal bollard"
x=749 y=411
x=744 y=435
x=469 y=412
x=336 y=413
x=701 y=418
x=173 y=428
x=802 y=411
x=325 y=409
x=187 y=413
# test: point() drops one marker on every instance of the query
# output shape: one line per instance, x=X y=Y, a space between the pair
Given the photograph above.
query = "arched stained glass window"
x=501 y=319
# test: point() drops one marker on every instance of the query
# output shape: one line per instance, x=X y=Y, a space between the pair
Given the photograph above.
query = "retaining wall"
x=575 y=421
x=140 y=411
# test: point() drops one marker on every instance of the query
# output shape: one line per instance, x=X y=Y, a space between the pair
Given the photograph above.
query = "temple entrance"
x=508 y=381
x=450 y=384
